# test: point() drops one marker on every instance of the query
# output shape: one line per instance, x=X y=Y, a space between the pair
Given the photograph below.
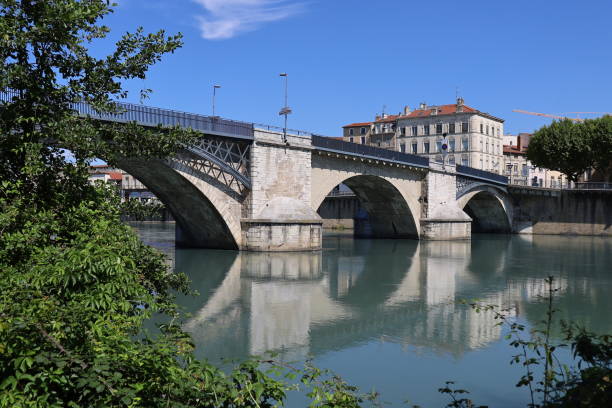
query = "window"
x=438 y=146
x=351 y=138
x=465 y=142
x=525 y=170
x=465 y=160
x=403 y=148
x=414 y=148
x=465 y=127
x=414 y=131
x=426 y=130
x=487 y=129
x=362 y=131
x=487 y=144
x=426 y=147
x=403 y=131
x=509 y=168
x=363 y=140
x=351 y=132
x=515 y=169
x=451 y=160
x=498 y=132
x=439 y=158
x=481 y=128
x=451 y=128
x=438 y=128
x=451 y=145
x=481 y=163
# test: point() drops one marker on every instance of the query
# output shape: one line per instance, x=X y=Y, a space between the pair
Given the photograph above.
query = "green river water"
x=386 y=314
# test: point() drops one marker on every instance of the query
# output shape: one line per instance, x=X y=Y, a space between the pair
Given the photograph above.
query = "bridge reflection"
x=356 y=291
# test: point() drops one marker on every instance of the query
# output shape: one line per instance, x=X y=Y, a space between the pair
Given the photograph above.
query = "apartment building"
x=474 y=137
x=357 y=132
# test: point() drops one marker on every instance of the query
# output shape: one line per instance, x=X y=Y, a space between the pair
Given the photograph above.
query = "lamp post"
x=286 y=110
x=215 y=87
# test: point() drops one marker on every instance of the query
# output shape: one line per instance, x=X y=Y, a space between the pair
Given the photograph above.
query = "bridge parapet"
x=354 y=149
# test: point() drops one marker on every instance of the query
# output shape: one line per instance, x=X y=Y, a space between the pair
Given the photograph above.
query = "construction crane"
x=548 y=115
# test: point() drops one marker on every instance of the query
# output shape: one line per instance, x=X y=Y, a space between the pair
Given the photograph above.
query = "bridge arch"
x=207 y=212
x=489 y=207
x=390 y=195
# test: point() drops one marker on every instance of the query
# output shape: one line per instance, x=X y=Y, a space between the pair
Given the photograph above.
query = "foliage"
x=76 y=284
x=573 y=148
x=588 y=384
x=137 y=210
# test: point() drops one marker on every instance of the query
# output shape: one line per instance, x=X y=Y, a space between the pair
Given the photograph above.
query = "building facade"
x=474 y=137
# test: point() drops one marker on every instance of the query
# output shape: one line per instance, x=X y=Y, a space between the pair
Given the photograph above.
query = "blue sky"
x=348 y=58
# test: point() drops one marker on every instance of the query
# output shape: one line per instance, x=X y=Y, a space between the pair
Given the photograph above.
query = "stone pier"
x=442 y=218
x=278 y=213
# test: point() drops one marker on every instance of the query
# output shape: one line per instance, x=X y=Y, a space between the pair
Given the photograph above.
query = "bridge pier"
x=279 y=215
x=443 y=219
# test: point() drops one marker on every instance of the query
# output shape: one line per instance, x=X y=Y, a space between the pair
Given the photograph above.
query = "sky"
x=346 y=60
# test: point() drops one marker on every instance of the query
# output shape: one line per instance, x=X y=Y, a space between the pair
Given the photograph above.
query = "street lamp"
x=215 y=87
x=286 y=110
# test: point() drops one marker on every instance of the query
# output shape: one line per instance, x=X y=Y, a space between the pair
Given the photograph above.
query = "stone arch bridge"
x=258 y=188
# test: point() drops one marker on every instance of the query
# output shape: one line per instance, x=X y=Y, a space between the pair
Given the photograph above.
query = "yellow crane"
x=548 y=115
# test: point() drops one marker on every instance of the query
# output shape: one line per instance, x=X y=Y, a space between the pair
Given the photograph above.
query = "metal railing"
x=592 y=185
x=149 y=116
x=278 y=129
x=336 y=193
x=481 y=174
x=339 y=146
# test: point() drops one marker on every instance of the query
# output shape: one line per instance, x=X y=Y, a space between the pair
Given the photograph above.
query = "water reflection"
x=357 y=291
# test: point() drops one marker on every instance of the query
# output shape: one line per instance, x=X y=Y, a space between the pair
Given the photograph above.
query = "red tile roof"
x=114 y=175
x=514 y=150
x=390 y=118
x=442 y=110
x=358 y=124
x=422 y=113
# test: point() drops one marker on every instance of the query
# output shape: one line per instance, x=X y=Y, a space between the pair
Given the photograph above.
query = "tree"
x=573 y=148
x=76 y=284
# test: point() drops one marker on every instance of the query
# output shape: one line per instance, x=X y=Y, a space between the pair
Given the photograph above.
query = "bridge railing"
x=481 y=174
x=149 y=116
x=339 y=146
x=591 y=185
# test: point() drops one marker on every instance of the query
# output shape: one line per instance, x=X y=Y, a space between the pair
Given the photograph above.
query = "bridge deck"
x=213 y=125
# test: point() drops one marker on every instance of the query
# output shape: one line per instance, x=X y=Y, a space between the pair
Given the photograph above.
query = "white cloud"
x=228 y=18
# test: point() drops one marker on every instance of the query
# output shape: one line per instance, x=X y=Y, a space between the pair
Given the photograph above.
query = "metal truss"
x=228 y=159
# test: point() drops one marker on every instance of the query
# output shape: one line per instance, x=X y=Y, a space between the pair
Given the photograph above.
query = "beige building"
x=474 y=137
x=357 y=132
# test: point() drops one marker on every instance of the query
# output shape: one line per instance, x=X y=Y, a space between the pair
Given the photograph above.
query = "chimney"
x=406 y=110
x=377 y=118
x=422 y=106
x=459 y=104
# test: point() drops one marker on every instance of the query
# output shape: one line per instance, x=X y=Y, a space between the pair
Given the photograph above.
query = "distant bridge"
x=248 y=186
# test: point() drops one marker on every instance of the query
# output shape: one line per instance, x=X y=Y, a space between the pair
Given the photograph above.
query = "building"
x=105 y=173
x=357 y=132
x=520 y=171
x=474 y=137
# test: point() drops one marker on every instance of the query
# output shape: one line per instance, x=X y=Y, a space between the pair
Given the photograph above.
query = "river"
x=387 y=314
